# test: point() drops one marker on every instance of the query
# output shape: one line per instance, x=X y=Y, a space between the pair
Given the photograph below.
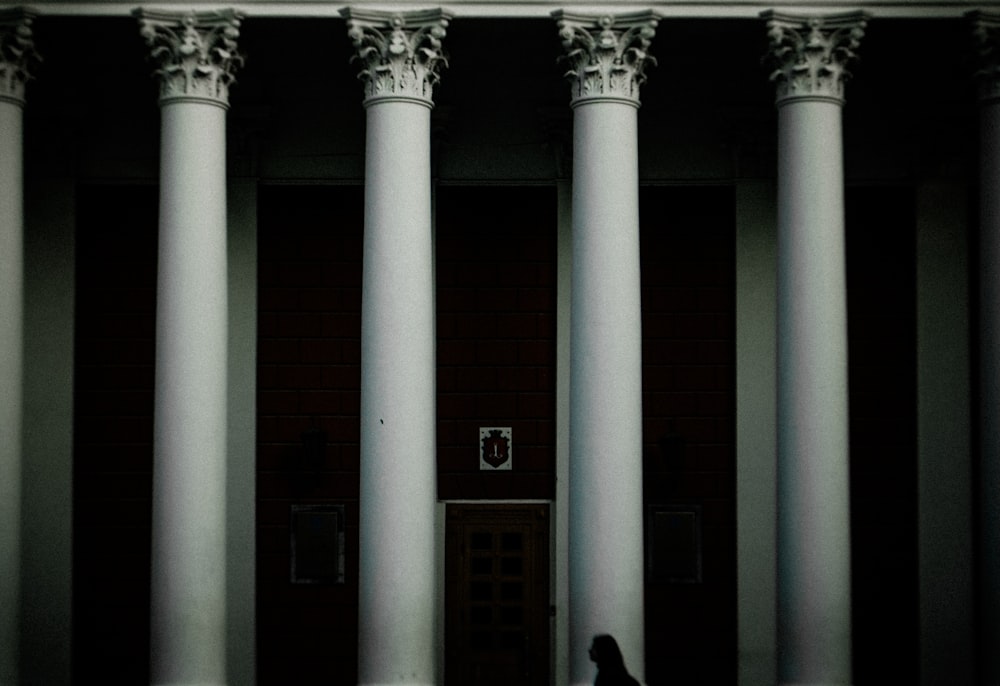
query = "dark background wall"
x=310 y=300
x=496 y=257
x=496 y=301
x=882 y=347
x=113 y=432
x=309 y=381
x=688 y=303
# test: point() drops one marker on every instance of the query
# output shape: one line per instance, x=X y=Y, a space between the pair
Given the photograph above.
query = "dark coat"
x=605 y=678
x=610 y=665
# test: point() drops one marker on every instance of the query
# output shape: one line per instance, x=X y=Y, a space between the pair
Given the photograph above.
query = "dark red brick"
x=498 y=353
x=277 y=351
x=492 y=407
x=320 y=402
x=540 y=353
x=277 y=402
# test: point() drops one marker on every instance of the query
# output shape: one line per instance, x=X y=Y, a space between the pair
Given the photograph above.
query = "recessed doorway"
x=497 y=595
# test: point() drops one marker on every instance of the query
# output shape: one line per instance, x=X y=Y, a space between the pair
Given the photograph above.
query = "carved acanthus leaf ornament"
x=607 y=54
x=810 y=55
x=986 y=42
x=17 y=54
x=401 y=54
x=195 y=53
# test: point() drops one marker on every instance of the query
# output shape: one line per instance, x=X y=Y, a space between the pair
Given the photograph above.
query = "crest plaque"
x=495 y=448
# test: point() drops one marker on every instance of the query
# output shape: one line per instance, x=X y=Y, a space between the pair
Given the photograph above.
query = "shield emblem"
x=495 y=447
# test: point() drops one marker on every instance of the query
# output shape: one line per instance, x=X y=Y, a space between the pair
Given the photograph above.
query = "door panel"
x=497 y=595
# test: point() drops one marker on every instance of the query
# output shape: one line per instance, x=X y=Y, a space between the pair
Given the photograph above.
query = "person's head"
x=605 y=653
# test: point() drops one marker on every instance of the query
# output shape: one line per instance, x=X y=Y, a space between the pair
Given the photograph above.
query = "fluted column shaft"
x=606 y=56
x=17 y=55
x=396 y=619
x=986 y=33
x=188 y=608
x=814 y=562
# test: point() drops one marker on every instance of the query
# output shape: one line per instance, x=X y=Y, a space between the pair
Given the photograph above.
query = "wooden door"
x=497 y=595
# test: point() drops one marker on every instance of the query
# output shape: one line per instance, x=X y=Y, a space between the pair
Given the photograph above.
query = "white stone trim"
x=400 y=53
x=18 y=58
x=606 y=54
x=194 y=53
x=811 y=54
x=745 y=9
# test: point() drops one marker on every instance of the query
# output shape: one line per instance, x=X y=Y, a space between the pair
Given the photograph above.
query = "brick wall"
x=496 y=277
x=309 y=380
x=688 y=319
x=113 y=432
x=496 y=256
x=881 y=287
x=496 y=351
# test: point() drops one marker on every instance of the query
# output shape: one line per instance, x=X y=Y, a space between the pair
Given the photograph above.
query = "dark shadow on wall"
x=113 y=432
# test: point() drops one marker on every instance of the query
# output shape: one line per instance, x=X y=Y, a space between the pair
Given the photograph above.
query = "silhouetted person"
x=611 y=670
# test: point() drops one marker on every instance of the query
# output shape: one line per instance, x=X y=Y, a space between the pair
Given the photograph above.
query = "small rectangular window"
x=673 y=544
x=317 y=541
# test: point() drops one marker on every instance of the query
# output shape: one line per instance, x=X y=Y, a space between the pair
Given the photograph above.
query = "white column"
x=400 y=55
x=987 y=37
x=813 y=528
x=195 y=56
x=17 y=55
x=606 y=57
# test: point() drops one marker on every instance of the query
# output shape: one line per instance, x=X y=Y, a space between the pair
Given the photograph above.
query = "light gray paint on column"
x=606 y=572
x=17 y=56
x=756 y=266
x=241 y=472
x=188 y=612
x=944 y=467
x=11 y=374
x=605 y=481
x=47 y=478
x=813 y=499
x=398 y=613
x=814 y=548
x=195 y=55
x=398 y=465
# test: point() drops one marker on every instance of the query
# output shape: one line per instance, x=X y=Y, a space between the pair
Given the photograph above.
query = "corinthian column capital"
x=986 y=42
x=17 y=53
x=194 y=53
x=810 y=55
x=400 y=52
x=607 y=54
